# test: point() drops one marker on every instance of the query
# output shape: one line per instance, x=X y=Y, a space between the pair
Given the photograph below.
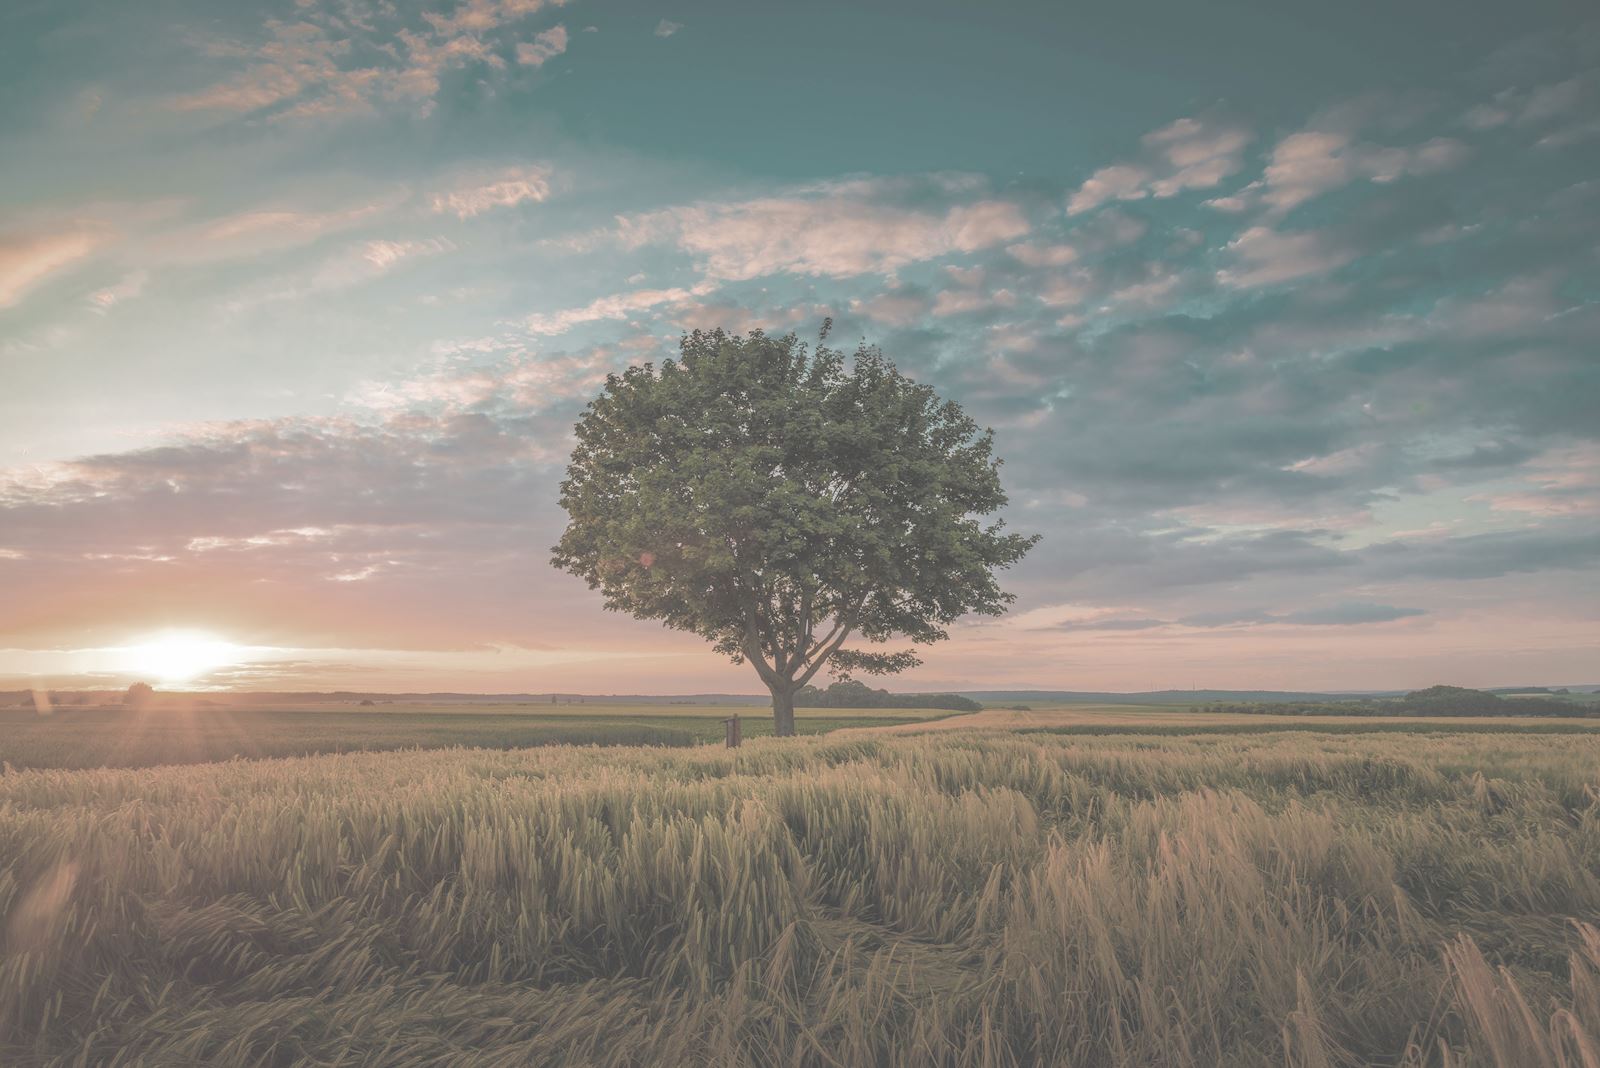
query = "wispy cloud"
x=262 y=229
x=617 y=306
x=476 y=194
x=838 y=229
x=28 y=259
x=324 y=62
x=130 y=286
x=353 y=265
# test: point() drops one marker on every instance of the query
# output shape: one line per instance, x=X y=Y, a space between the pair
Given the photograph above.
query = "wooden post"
x=735 y=735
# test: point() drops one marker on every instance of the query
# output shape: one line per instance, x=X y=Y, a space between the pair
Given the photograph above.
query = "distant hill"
x=1433 y=701
x=1160 y=697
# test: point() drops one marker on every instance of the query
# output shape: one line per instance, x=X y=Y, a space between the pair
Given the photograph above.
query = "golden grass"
x=949 y=899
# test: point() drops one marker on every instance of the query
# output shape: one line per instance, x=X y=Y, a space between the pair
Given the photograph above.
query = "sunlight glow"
x=178 y=656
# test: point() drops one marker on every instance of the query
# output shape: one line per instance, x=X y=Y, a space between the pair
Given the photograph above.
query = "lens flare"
x=178 y=656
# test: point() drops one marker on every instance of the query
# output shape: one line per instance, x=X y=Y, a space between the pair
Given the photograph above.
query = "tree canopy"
x=850 y=693
x=782 y=503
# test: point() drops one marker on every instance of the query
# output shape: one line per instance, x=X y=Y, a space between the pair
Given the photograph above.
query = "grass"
x=1352 y=725
x=1283 y=899
x=90 y=738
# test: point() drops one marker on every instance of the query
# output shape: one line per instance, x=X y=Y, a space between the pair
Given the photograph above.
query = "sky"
x=1284 y=315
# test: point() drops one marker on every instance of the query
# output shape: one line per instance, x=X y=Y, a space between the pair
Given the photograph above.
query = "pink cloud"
x=28 y=259
x=1267 y=257
x=304 y=67
x=1118 y=182
x=617 y=306
x=837 y=230
x=546 y=45
x=1307 y=164
x=476 y=194
x=892 y=309
x=1187 y=154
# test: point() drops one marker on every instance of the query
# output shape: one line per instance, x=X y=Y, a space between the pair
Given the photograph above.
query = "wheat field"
x=1284 y=899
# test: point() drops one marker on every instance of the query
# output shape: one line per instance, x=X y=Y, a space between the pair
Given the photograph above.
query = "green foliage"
x=1459 y=701
x=953 y=901
x=99 y=738
x=849 y=693
x=1434 y=701
x=96 y=738
x=779 y=504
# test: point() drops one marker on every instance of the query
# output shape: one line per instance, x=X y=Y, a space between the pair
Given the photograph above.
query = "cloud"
x=1560 y=482
x=1038 y=255
x=323 y=63
x=351 y=266
x=131 y=285
x=665 y=28
x=738 y=318
x=267 y=229
x=28 y=259
x=1307 y=164
x=1348 y=614
x=1110 y=624
x=1119 y=182
x=546 y=45
x=1238 y=202
x=1344 y=614
x=1341 y=614
x=1200 y=154
x=439 y=491
x=836 y=230
x=1190 y=153
x=1266 y=257
x=1530 y=107
x=968 y=294
x=520 y=381
x=477 y=194
x=617 y=306
x=382 y=255
x=893 y=308
x=1489 y=555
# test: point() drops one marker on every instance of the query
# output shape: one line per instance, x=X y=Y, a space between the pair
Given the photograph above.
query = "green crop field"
x=114 y=737
x=1283 y=898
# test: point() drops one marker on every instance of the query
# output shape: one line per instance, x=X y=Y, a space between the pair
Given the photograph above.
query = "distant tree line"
x=1434 y=701
x=848 y=693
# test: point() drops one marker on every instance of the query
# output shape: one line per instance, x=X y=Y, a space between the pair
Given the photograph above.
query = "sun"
x=177 y=656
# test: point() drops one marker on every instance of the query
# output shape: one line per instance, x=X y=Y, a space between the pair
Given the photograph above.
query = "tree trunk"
x=782 y=712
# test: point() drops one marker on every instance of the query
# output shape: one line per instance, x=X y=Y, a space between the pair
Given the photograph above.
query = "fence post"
x=734 y=734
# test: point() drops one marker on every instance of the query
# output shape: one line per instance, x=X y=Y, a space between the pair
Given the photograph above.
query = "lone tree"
x=779 y=504
x=139 y=695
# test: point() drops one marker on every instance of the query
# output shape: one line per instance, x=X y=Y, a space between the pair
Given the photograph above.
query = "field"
x=1282 y=897
x=115 y=737
x=1170 y=720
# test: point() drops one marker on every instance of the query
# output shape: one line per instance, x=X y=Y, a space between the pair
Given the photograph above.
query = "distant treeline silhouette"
x=1434 y=701
x=848 y=693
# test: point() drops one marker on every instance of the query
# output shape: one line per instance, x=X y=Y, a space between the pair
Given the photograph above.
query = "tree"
x=138 y=695
x=780 y=504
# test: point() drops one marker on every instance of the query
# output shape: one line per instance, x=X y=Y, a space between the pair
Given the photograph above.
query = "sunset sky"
x=1284 y=316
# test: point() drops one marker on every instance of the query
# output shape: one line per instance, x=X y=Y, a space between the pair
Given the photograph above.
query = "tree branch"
x=752 y=649
x=822 y=658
